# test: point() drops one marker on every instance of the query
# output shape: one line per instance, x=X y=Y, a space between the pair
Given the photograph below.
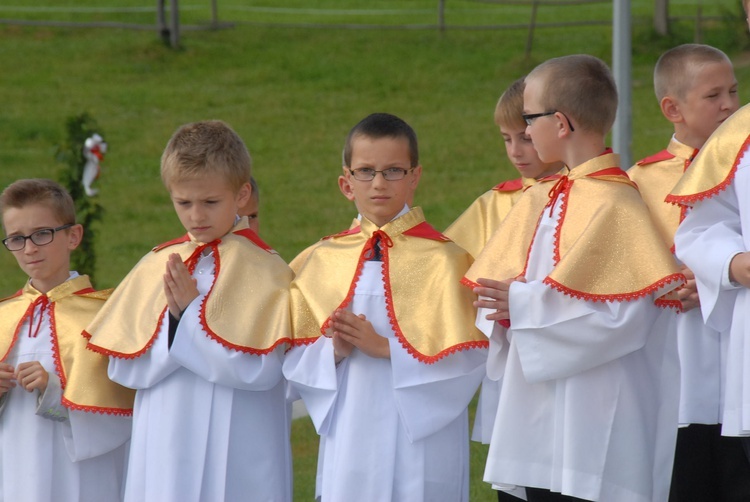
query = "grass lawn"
x=293 y=93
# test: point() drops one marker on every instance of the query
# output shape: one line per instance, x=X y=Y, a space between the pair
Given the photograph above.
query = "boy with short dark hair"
x=587 y=406
x=697 y=91
x=199 y=328
x=386 y=377
x=475 y=226
x=63 y=423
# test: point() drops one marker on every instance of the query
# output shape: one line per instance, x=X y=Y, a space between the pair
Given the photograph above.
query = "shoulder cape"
x=606 y=247
x=476 y=225
x=246 y=308
x=714 y=167
x=82 y=373
x=656 y=176
x=431 y=314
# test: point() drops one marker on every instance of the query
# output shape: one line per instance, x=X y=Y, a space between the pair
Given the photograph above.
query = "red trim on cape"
x=669 y=304
x=121 y=355
x=122 y=412
x=509 y=186
x=18 y=328
x=657 y=157
x=17 y=293
x=350 y=294
x=426 y=231
x=558 y=229
x=617 y=297
x=250 y=235
x=686 y=200
x=56 y=347
x=348 y=231
x=178 y=240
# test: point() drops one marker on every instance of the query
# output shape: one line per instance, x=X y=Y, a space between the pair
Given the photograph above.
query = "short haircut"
x=509 y=108
x=254 y=186
x=208 y=148
x=581 y=87
x=383 y=125
x=46 y=192
x=676 y=69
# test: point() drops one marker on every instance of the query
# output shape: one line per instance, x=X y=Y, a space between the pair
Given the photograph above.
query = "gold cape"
x=431 y=314
x=714 y=167
x=82 y=373
x=606 y=246
x=656 y=176
x=246 y=308
x=476 y=225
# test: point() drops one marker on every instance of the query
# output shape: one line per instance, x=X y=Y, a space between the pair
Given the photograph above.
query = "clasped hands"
x=29 y=375
x=350 y=331
x=179 y=286
x=494 y=296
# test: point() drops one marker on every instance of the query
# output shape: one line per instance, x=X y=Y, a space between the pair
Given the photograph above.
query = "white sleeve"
x=431 y=396
x=312 y=372
x=706 y=241
x=147 y=370
x=49 y=404
x=195 y=350
x=558 y=336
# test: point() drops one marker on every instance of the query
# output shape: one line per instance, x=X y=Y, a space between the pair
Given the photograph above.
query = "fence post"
x=174 y=32
x=532 y=25
x=441 y=15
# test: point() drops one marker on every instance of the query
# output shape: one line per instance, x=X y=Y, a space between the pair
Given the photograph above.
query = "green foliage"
x=88 y=209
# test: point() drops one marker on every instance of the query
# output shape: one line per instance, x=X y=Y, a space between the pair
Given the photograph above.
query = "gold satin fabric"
x=82 y=373
x=714 y=167
x=246 y=308
x=430 y=312
x=473 y=229
x=656 y=179
x=602 y=252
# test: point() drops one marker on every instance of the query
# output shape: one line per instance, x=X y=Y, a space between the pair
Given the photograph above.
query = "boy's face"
x=542 y=130
x=250 y=209
x=522 y=154
x=207 y=206
x=48 y=265
x=380 y=200
x=708 y=102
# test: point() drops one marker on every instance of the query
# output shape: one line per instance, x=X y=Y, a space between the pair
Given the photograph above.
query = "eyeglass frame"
x=529 y=117
x=31 y=237
x=382 y=171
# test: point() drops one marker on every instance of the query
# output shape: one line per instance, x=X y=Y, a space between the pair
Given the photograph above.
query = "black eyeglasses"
x=390 y=174
x=40 y=238
x=529 y=118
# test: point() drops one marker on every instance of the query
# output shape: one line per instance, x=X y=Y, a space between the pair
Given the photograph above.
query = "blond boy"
x=63 y=423
x=697 y=91
x=474 y=227
x=586 y=409
x=199 y=328
x=386 y=378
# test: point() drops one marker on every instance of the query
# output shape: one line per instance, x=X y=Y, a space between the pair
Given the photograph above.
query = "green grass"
x=292 y=94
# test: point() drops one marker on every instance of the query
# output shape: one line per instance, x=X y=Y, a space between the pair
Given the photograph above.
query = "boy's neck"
x=687 y=138
x=47 y=285
x=584 y=148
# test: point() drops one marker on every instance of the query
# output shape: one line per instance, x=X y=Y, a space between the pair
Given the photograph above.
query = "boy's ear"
x=243 y=194
x=416 y=175
x=75 y=235
x=670 y=108
x=346 y=187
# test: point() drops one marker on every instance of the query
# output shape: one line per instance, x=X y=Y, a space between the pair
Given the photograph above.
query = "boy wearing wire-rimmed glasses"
x=384 y=353
x=63 y=423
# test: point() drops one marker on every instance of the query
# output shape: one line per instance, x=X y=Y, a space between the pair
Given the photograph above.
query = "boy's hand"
x=7 y=380
x=359 y=332
x=32 y=376
x=688 y=294
x=497 y=292
x=179 y=286
x=739 y=269
x=341 y=348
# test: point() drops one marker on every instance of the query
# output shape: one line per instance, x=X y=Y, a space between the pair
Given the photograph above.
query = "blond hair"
x=677 y=68
x=46 y=192
x=208 y=148
x=581 y=87
x=509 y=107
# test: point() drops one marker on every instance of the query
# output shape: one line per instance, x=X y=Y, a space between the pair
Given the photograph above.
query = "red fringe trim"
x=349 y=295
x=558 y=228
x=669 y=304
x=469 y=283
x=122 y=412
x=617 y=297
x=687 y=200
x=18 y=329
x=120 y=355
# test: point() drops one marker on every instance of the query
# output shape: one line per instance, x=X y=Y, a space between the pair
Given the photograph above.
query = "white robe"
x=713 y=232
x=50 y=453
x=390 y=429
x=588 y=405
x=209 y=423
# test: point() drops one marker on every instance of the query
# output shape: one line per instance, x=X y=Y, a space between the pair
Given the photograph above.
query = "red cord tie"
x=43 y=301
x=193 y=259
x=371 y=249
x=555 y=192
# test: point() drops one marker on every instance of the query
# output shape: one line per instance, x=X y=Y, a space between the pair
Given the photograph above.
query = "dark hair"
x=383 y=125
